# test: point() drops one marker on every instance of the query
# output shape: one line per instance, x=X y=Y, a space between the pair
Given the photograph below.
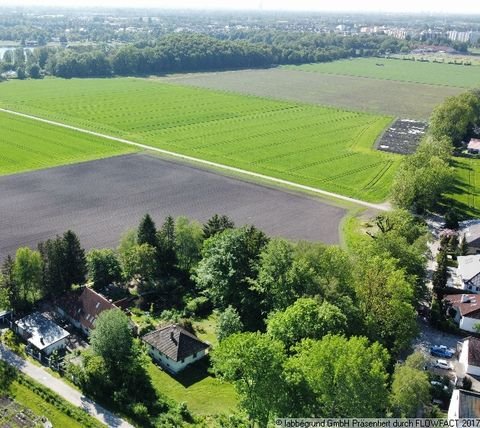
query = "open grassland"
x=321 y=147
x=28 y=145
x=400 y=70
x=370 y=95
x=466 y=195
x=203 y=393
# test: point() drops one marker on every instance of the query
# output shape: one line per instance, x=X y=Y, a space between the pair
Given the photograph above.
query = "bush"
x=467 y=383
x=140 y=413
x=198 y=307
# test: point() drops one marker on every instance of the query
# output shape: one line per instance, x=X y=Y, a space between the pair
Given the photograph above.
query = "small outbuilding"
x=473 y=146
x=42 y=333
x=174 y=348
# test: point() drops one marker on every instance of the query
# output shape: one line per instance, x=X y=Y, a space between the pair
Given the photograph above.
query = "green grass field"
x=404 y=71
x=322 y=147
x=28 y=145
x=41 y=407
x=204 y=394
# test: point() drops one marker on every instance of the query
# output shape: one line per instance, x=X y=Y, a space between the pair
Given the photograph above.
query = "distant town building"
x=42 y=333
x=464 y=36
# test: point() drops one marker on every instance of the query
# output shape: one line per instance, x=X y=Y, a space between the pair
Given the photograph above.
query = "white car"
x=443 y=364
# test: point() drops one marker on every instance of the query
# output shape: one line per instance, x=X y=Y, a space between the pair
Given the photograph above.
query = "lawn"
x=28 y=145
x=203 y=393
x=41 y=407
x=400 y=70
x=467 y=187
x=322 y=147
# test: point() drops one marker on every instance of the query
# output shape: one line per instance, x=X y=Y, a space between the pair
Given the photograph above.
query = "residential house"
x=468 y=273
x=174 y=348
x=82 y=308
x=472 y=236
x=464 y=405
x=473 y=146
x=42 y=333
x=470 y=356
x=466 y=309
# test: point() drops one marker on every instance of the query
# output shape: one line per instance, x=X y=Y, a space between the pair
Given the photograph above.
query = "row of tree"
x=197 y=52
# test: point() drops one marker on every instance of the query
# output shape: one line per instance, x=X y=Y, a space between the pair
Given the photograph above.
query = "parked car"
x=442 y=351
x=443 y=364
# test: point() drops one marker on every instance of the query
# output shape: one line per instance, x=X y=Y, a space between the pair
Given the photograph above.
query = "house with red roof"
x=466 y=308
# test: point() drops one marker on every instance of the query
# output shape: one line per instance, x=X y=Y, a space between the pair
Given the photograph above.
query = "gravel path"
x=62 y=389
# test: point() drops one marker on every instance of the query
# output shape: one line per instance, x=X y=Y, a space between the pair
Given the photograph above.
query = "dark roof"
x=468 y=404
x=474 y=351
x=84 y=306
x=467 y=304
x=175 y=342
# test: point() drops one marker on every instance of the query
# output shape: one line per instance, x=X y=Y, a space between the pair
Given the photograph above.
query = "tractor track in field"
x=320 y=192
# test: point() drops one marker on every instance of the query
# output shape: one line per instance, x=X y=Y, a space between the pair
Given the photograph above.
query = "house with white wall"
x=174 y=348
x=468 y=273
x=42 y=333
x=466 y=310
x=464 y=405
x=470 y=356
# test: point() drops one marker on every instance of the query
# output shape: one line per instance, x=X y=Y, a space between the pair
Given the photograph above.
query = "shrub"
x=198 y=307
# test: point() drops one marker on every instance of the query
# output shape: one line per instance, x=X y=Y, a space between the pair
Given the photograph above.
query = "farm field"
x=370 y=95
x=404 y=71
x=28 y=145
x=467 y=191
x=326 y=148
x=99 y=200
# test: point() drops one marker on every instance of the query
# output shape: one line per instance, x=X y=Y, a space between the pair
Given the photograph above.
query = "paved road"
x=380 y=207
x=62 y=389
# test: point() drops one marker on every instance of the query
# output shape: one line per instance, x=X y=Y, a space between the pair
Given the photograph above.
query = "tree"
x=385 y=300
x=75 y=263
x=21 y=74
x=188 y=243
x=34 y=71
x=7 y=375
x=140 y=260
x=103 y=268
x=167 y=256
x=217 y=224
x=440 y=275
x=306 y=319
x=227 y=270
x=254 y=364
x=451 y=219
x=9 y=290
x=147 y=232
x=347 y=377
x=28 y=275
x=53 y=256
x=463 y=248
x=410 y=391
x=229 y=323
x=112 y=340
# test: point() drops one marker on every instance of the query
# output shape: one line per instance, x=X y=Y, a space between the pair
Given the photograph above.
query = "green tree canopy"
x=147 y=232
x=103 y=268
x=28 y=275
x=229 y=323
x=188 y=243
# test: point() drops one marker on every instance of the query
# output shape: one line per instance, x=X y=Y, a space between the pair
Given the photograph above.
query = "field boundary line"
x=380 y=207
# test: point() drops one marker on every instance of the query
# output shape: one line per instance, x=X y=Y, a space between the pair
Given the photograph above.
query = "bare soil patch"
x=101 y=199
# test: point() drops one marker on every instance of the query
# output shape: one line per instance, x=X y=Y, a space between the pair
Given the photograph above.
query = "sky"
x=435 y=6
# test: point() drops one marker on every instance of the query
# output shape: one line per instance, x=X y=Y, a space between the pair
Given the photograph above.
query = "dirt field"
x=102 y=199
x=403 y=99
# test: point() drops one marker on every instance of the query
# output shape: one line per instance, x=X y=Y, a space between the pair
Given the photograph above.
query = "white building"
x=174 y=348
x=470 y=356
x=466 y=308
x=468 y=273
x=464 y=404
x=42 y=333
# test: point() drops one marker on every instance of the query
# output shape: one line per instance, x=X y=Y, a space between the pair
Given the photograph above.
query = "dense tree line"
x=198 y=52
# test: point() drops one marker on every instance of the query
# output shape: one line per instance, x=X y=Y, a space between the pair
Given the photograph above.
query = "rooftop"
x=467 y=304
x=474 y=144
x=468 y=404
x=42 y=331
x=473 y=351
x=175 y=342
x=84 y=306
x=468 y=267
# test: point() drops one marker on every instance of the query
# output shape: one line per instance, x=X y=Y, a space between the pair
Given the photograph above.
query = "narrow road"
x=62 y=389
x=380 y=207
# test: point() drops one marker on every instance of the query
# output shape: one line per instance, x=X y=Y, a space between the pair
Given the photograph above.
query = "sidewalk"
x=67 y=392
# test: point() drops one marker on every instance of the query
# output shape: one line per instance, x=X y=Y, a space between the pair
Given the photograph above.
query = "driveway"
x=67 y=392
